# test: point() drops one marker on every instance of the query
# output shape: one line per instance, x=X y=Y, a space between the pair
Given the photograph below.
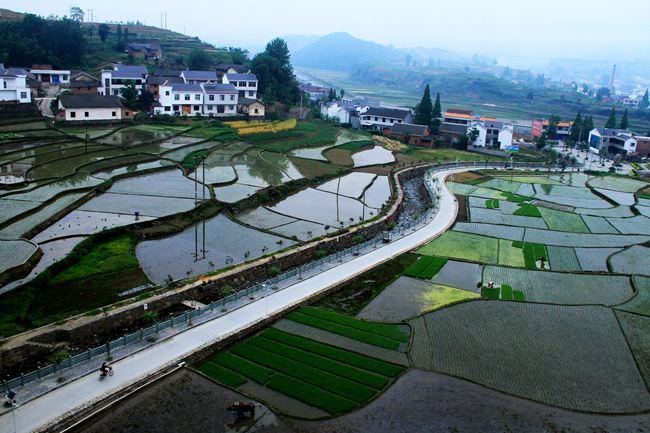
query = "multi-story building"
x=492 y=133
x=191 y=99
x=113 y=81
x=13 y=86
x=246 y=84
x=456 y=121
x=198 y=77
x=612 y=140
x=562 y=132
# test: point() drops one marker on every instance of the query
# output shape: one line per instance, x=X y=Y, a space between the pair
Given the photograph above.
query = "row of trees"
x=427 y=113
x=54 y=41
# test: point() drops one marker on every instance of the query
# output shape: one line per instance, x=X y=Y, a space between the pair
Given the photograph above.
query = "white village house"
x=13 y=86
x=612 y=140
x=114 y=80
x=492 y=133
x=87 y=108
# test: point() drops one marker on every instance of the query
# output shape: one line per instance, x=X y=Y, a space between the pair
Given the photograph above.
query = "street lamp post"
x=12 y=400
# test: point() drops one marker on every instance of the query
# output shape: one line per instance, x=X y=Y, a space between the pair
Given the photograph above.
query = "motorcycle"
x=103 y=375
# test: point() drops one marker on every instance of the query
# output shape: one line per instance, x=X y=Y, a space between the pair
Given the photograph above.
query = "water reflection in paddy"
x=375 y=156
x=226 y=243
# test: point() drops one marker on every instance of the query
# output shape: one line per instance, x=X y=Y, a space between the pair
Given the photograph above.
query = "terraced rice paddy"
x=632 y=260
x=463 y=246
x=15 y=252
x=563 y=288
x=207 y=247
x=535 y=351
x=375 y=156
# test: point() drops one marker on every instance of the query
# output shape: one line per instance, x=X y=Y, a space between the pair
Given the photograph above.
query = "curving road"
x=43 y=412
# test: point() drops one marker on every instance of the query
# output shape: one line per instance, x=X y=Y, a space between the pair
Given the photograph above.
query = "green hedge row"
x=384 y=329
x=351 y=358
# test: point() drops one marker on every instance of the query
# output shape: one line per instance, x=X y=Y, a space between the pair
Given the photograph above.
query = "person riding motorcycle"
x=104 y=369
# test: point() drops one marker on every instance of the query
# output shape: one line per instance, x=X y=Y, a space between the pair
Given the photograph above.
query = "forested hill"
x=68 y=44
x=341 y=51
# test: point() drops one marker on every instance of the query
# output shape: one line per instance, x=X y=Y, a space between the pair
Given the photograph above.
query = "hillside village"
x=230 y=91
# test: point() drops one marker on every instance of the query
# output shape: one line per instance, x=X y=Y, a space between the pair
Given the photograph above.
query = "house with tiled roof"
x=492 y=133
x=199 y=77
x=89 y=108
x=614 y=141
x=382 y=117
x=160 y=77
x=456 y=121
x=213 y=99
x=416 y=135
x=120 y=76
x=229 y=68
x=563 y=130
x=252 y=108
x=82 y=82
x=246 y=84
x=13 y=86
x=144 y=51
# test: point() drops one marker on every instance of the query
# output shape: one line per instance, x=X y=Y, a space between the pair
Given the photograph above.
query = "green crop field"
x=541 y=352
x=463 y=246
x=330 y=378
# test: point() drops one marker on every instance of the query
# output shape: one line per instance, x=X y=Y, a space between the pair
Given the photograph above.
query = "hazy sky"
x=594 y=29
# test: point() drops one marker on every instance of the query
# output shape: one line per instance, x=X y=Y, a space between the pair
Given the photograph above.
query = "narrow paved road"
x=44 y=411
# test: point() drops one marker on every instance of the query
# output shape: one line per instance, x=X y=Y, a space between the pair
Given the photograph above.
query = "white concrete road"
x=44 y=411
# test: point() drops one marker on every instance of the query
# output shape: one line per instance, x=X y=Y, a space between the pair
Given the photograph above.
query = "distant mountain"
x=342 y=51
x=298 y=42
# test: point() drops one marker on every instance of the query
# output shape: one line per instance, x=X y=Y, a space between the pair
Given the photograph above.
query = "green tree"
x=76 y=14
x=624 y=122
x=57 y=359
x=129 y=95
x=645 y=103
x=424 y=110
x=275 y=74
x=462 y=142
x=611 y=122
x=145 y=99
x=199 y=60
x=551 y=131
x=279 y=50
x=103 y=32
x=238 y=56
x=588 y=125
x=126 y=35
x=576 y=132
x=436 y=114
x=472 y=135
x=540 y=141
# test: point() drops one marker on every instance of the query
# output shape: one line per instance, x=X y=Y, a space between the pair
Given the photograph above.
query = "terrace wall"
x=90 y=331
